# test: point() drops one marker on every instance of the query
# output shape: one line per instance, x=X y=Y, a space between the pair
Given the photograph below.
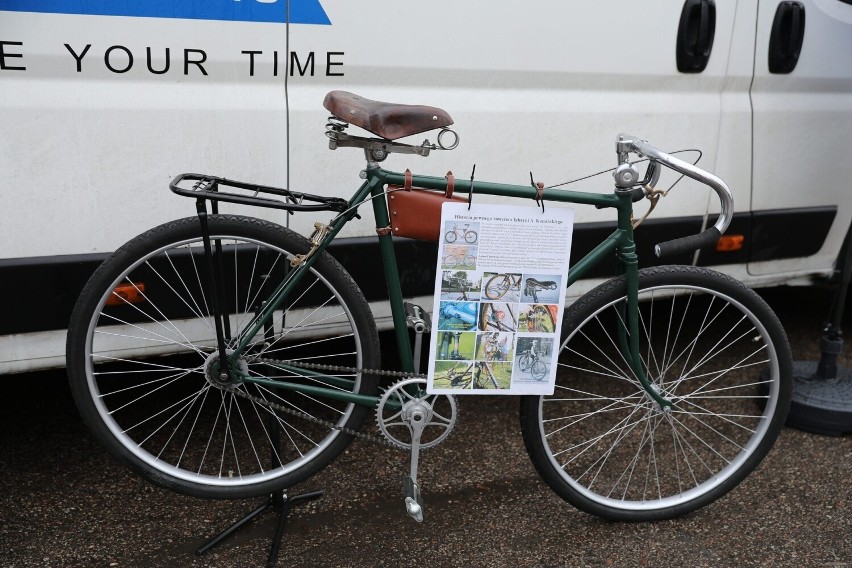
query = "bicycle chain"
x=305 y=416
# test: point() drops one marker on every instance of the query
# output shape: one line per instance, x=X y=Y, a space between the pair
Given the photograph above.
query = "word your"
x=119 y=59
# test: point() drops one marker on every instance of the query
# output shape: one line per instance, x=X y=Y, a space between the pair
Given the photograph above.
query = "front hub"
x=655 y=396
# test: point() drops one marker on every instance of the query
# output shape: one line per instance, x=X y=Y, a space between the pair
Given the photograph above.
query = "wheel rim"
x=194 y=431
x=615 y=447
x=497 y=288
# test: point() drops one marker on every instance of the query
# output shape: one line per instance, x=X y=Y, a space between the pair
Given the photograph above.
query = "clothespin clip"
x=539 y=192
x=470 y=196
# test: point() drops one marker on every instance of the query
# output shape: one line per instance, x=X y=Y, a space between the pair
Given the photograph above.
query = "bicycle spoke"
x=150 y=362
x=611 y=448
x=200 y=315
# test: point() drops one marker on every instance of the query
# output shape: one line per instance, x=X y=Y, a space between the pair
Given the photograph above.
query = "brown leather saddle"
x=386 y=120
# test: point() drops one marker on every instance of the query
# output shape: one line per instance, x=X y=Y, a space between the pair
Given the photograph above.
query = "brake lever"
x=652 y=174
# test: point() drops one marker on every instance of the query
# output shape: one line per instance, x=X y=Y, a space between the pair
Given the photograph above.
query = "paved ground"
x=65 y=503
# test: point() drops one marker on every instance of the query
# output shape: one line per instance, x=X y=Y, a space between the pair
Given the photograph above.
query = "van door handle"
x=788 y=33
x=695 y=35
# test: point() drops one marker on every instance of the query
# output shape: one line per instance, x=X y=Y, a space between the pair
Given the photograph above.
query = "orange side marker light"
x=127 y=294
x=730 y=243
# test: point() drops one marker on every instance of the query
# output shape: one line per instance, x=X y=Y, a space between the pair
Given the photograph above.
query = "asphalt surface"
x=65 y=502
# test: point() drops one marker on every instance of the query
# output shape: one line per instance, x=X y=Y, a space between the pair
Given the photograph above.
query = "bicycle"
x=493 y=347
x=539 y=319
x=496 y=317
x=530 y=362
x=197 y=340
x=457 y=285
x=499 y=284
x=469 y=235
x=465 y=262
x=473 y=376
x=461 y=260
x=459 y=257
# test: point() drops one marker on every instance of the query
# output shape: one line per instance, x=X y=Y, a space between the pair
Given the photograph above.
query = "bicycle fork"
x=629 y=337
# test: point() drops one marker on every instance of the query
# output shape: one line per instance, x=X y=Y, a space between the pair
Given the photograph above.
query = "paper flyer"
x=499 y=298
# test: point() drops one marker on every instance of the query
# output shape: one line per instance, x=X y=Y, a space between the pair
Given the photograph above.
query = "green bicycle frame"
x=620 y=243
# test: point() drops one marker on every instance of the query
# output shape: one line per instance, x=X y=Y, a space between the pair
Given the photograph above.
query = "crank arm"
x=411 y=491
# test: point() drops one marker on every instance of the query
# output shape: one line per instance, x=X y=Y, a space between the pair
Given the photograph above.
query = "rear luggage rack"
x=201 y=186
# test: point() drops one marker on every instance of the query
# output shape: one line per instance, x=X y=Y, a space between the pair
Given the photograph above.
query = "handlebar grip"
x=688 y=244
x=626 y=143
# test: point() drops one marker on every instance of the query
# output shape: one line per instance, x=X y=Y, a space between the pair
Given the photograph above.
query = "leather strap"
x=407 y=186
x=539 y=195
x=451 y=184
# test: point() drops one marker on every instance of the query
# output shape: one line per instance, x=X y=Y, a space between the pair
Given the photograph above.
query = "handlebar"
x=625 y=144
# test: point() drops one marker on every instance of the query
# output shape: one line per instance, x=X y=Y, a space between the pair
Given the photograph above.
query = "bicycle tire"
x=546 y=318
x=470 y=237
x=710 y=345
x=538 y=370
x=497 y=286
x=535 y=321
x=524 y=362
x=139 y=372
x=450 y=237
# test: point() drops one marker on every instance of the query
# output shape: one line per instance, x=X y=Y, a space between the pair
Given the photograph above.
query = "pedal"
x=404 y=412
x=418 y=319
x=413 y=501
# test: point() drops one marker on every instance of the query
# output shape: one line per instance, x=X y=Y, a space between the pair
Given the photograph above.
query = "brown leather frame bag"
x=416 y=213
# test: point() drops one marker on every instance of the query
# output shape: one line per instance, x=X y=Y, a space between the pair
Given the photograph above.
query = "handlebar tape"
x=687 y=244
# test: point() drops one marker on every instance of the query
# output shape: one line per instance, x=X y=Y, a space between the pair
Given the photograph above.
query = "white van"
x=102 y=103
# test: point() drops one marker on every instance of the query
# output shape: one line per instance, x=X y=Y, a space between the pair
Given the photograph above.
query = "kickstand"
x=281 y=504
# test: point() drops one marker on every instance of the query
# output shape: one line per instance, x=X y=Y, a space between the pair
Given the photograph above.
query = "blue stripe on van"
x=301 y=11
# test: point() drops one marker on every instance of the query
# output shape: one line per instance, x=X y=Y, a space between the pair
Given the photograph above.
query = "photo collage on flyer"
x=499 y=296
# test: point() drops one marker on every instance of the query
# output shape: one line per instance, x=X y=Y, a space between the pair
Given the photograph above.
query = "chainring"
x=395 y=405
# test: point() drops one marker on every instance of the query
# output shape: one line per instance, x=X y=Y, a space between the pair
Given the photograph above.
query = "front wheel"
x=497 y=286
x=142 y=359
x=707 y=344
x=538 y=369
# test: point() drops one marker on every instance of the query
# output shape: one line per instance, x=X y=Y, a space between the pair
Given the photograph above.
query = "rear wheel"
x=497 y=286
x=524 y=362
x=710 y=346
x=142 y=359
